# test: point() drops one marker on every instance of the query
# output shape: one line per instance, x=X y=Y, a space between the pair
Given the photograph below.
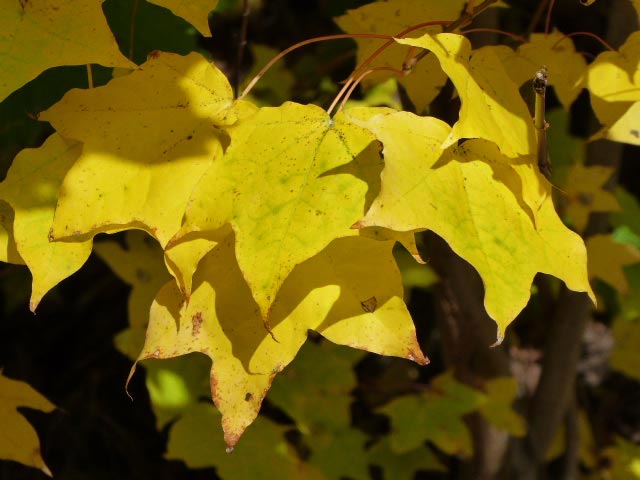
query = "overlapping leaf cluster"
x=274 y=221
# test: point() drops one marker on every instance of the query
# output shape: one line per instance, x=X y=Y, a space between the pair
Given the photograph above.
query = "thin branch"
x=89 y=75
x=132 y=28
x=495 y=30
x=242 y=44
x=537 y=16
x=586 y=34
x=547 y=23
x=381 y=49
x=264 y=69
x=463 y=19
x=355 y=83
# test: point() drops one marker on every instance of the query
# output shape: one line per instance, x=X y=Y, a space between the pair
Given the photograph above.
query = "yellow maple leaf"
x=613 y=80
x=31 y=188
x=566 y=67
x=492 y=107
x=607 y=259
x=195 y=12
x=585 y=194
x=148 y=138
x=37 y=35
x=351 y=293
x=18 y=440
x=472 y=197
x=278 y=185
x=392 y=17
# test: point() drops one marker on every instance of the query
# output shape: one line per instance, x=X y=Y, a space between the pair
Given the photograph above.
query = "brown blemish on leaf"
x=369 y=305
x=196 y=321
x=248 y=397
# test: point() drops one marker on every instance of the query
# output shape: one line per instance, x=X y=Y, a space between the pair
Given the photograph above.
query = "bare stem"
x=264 y=69
x=547 y=23
x=463 y=19
x=242 y=44
x=381 y=49
x=89 y=75
x=355 y=83
x=586 y=34
x=132 y=28
x=495 y=30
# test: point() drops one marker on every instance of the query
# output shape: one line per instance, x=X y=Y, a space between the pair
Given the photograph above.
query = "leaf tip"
x=499 y=340
x=418 y=357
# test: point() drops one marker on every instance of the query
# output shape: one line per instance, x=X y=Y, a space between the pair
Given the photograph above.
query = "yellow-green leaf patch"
x=31 y=188
x=492 y=107
x=472 y=197
x=148 y=138
x=327 y=293
x=195 y=12
x=18 y=440
x=291 y=181
x=37 y=35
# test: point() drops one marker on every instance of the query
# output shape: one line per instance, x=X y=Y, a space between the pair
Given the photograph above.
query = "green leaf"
x=403 y=466
x=435 y=415
x=624 y=356
x=195 y=439
x=315 y=388
x=501 y=393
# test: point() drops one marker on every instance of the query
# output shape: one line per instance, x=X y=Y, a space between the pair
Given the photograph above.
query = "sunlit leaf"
x=37 y=35
x=279 y=185
x=492 y=107
x=31 y=188
x=148 y=138
x=18 y=440
x=472 y=197
x=195 y=12
x=566 y=67
x=325 y=293
x=391 y=18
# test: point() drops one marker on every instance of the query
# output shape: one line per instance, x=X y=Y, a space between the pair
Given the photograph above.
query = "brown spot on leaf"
x=196 y=321
x=248 y=397
x=369 y=305
x=635 y=133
